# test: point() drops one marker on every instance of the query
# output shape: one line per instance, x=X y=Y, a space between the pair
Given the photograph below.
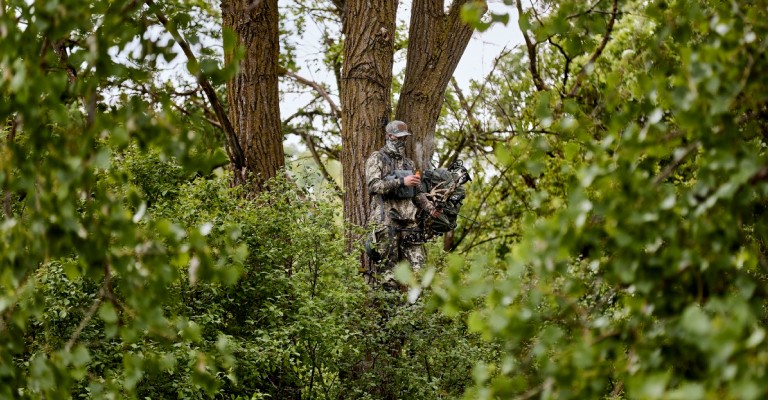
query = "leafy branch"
x=679 y=158
x=532 y=57
x=105 y=287
x=234 y=150
x=598 y=51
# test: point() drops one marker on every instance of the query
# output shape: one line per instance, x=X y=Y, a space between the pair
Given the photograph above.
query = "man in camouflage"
x=396 y=198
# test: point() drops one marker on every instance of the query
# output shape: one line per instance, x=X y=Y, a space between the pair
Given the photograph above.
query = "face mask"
x=395 y=146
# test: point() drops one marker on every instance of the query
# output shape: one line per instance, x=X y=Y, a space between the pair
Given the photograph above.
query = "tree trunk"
x=252 y=93
x=436 y=42
x=369 y=30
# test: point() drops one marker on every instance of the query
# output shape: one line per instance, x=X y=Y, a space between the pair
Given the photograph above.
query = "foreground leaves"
x=641 y=270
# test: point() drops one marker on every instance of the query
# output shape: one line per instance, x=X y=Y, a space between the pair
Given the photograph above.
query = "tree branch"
x=491 y=239
x=532 y=392
x=314 y=85
x=313 y=150
x=567 y=68
x=482 y=203
x=590 y=10
x=473 y=122
x=188 y=93
x=89 y=314
x=486 y=81
x=339 y=4
x=598 y=51
x=60 y=48
x=532 y=58
x=235 y=151
x=330 y=152
x=675 y=163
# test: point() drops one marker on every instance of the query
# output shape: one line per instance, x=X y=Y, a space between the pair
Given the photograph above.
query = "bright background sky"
x=476 y=63
x=486 y=46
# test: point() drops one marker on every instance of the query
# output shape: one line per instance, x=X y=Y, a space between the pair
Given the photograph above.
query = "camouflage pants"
x=394 y=247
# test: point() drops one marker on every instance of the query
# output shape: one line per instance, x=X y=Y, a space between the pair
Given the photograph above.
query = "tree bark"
x=252 y=93
x=369 y=30
x=436 y=42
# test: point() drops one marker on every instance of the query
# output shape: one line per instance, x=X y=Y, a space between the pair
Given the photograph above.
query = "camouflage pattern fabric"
x=392 y=218
x=395 y=247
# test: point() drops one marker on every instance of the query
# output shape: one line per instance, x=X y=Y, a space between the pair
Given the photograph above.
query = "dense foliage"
x=639 y=199
x=131 y=269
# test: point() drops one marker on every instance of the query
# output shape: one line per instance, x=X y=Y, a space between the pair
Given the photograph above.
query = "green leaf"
x=472 y=13
x=651 y=386
x=687 y=391
x=543 y=108
x=427 y=276
x=501 y=18
x=80 y=356
x=107 y=313
x=695 y=321
x=747 y=390
x=482 y=372
x=229 y=38
x=403 y=273
x=476 y=322
x=209 y=66
x=71 y=269
x=504 y=155
x=524 y=22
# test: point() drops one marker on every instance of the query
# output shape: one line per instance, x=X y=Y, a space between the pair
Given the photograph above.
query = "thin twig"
x=486 y=82
x=675 y=163
x=589 y=11
x=89 y=314
x=491 y=239
x=750 y=64
x=473 y=122
x=531 y=393
x=598 y=51
x=567 y=68
x=481 y=205
x=314 y=85
x=315 y=156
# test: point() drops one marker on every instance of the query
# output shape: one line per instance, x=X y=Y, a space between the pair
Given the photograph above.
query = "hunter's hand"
x=411 y=180
x=435 y=212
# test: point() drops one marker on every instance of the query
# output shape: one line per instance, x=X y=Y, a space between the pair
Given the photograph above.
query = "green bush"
x=278 y=311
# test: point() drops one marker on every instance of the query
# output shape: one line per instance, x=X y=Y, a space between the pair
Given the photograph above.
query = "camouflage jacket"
x=388 y=206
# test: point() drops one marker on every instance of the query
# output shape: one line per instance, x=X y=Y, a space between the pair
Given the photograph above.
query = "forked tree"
x=437 y=39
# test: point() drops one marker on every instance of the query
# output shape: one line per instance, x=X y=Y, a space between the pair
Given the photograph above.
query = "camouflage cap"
x=397 y=129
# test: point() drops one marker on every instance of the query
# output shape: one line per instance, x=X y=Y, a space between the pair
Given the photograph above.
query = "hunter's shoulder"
x=377 y=156
x=374 y=161
x=373 y=157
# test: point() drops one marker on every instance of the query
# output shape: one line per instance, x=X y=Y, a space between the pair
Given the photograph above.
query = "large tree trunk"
x=369 y=30
x=252 y=93
x=436 y=42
